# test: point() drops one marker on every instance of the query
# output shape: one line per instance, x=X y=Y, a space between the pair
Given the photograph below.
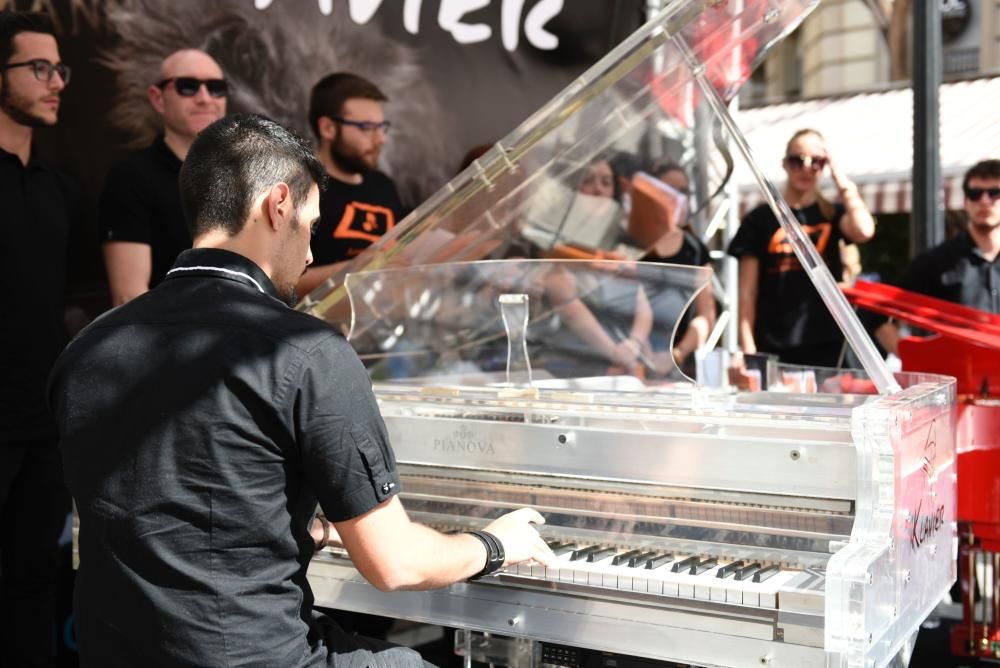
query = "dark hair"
x=233 y=161
x=332 y=91
x=13 y=24
x=984 y=169
x=667 y=166
x=625 y=164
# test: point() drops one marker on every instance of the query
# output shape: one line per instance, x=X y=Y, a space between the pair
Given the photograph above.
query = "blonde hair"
x=825 y=206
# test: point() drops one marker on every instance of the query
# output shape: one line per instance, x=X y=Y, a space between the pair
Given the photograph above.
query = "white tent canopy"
x=870 y=135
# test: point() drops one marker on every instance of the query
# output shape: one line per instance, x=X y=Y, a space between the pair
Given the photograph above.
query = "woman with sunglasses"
x=780 y=311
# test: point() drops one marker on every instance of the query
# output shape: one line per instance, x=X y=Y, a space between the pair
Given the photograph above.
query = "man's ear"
x=327 y=128
x=155 y=96
x=279 y=206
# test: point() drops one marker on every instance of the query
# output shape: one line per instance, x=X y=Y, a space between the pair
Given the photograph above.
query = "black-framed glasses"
x=976 y=194
x=368 y=127
x=189 y=86
x=814 y=162
x=43 y=69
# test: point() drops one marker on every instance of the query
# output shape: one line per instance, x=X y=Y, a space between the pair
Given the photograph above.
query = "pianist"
x=201 y=422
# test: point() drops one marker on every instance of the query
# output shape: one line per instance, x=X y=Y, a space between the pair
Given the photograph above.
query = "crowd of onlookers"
x=143 y=232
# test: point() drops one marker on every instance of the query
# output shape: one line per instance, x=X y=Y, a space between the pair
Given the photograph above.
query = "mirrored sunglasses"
x=815 y=163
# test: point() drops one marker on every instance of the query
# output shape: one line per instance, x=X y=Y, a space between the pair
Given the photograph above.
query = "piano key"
x=730 y=569
x=602 y=554
x=747 y=572
x=702 y=566
x=584 y=552
x=640 y=561
x=623 y=558
x=705 y=580
x=684 y=564
x=660 y=560
x=564 y=548
x=597 y=569
x=765 y=574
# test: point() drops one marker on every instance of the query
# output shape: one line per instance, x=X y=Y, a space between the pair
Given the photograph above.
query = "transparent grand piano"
x=520 y=344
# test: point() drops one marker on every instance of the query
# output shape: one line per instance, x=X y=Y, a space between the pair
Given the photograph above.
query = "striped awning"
x=870 y=135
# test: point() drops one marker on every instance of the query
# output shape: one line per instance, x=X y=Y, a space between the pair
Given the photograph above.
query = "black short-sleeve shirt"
x=199 y=425
x=39 y=207
x=790 y=313
x=353 y=217
x=141 y=202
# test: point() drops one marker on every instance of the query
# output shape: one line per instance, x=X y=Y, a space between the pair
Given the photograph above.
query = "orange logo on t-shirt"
x=364 y=221
x=819 y=234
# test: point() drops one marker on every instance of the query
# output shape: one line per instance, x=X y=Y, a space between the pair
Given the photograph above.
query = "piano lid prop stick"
x=811 y=260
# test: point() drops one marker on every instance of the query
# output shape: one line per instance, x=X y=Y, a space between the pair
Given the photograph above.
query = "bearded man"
x=39 y=205
x=361 y=204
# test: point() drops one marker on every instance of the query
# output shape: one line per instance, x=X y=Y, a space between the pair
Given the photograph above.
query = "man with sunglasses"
x=966 y=268
x=142 y=224
x=361 y=203
x=38 y=208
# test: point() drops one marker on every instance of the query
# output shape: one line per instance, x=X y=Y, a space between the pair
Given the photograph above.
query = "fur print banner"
x=458 y=73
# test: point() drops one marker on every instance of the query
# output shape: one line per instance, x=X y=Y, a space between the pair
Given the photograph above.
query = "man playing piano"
x=202 y=421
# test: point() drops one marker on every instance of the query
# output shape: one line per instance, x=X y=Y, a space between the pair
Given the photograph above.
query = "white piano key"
x=704 y=583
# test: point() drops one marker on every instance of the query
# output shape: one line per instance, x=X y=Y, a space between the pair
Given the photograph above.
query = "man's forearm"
x=441 y=560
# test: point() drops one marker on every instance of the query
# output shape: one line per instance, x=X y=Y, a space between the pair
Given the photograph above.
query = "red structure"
x=966 y=345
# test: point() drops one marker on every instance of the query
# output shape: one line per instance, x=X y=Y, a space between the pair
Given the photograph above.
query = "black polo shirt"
x=200 y=422
x=956 y=271
x=38 y=208
x=141 y=202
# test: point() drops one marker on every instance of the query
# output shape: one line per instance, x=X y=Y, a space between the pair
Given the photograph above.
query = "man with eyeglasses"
x=966 y=268
x=361 y=203
x=39 y=206
x=142 y=223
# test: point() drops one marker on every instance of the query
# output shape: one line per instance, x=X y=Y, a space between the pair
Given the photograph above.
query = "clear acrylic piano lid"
x=522 y=322
x=560 y=185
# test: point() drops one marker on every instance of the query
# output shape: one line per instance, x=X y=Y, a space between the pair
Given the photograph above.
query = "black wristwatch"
x=494 y=553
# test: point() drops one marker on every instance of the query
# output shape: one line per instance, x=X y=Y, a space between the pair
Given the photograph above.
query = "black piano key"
x=640 y=561
x=729 y=569
x=601 y=554
x=584 y=552
x=659 y=560
x=624 y=557
x=747 y=571
x=702 y=566
x=684 y=565
x=765 y=573
x=563 y=548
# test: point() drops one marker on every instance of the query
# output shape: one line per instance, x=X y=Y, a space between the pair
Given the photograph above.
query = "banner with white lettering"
x=458 y=73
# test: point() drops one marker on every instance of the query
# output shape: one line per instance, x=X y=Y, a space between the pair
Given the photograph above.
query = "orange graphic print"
x=364 y=221
x=819 y=234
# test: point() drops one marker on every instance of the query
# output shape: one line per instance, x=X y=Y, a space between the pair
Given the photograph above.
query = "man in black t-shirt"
x=965 y=269
x=142 y=223
x=361 y=203
x=38 y=207
x=203 y=421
